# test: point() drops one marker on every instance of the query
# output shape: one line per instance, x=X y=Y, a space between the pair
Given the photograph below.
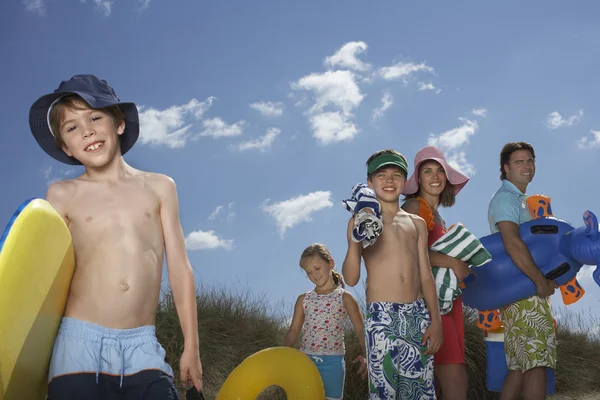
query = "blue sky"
x=265 y=112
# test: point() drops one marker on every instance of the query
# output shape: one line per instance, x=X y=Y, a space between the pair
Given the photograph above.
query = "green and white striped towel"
x=459 y=243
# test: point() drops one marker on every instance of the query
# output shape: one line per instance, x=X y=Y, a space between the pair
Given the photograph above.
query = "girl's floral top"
x=324 y=319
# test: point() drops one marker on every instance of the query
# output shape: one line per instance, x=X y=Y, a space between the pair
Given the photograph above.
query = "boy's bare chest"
x=120 y=207
x=397 y=233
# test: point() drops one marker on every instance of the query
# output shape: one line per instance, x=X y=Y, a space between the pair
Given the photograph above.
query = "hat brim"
x=457 y=179
x=38 y=122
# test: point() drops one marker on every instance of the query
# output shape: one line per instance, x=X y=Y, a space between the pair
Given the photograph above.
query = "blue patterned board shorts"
x=397 y=367
x=333 y=373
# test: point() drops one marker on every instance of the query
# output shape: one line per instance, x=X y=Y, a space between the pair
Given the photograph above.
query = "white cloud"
x=230 y=215
x=104 y=5
x=402 y=70
x=331 y=127
x=386 y=102
x=589 y=143
x=215 y=213
x=168 y=127
x=585 y=272
x=47 y=172
x=480 y=112
x=144 y=4
x=36 y=6
x=422 y=86
x=268 y=109
x=455 y=137
x=332 y=88
x=52 y=176
x=289 y=213
x=217 y=128
x=262 y=143
x=459 y=161
x=555 y=120
x=201 y=240
x=346 y=57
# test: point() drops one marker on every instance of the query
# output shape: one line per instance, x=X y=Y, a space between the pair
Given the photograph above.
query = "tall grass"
x=233 y=325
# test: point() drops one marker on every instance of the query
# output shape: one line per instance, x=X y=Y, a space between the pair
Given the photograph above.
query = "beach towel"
x=367 y=226
x=459 y=243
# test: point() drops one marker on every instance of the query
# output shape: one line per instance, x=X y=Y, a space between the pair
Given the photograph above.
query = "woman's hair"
x=447 y=197
x=317 y=249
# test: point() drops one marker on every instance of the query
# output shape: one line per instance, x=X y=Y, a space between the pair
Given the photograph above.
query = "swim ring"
x=286 y=367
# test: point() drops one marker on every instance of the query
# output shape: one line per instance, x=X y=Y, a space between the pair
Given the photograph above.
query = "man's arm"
x=296 y=326
x=181 y=279
x=351 y=265
x=519 y=253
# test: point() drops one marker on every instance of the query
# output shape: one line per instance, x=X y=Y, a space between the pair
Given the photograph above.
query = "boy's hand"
x=362 y=370
x=435 y=336
x=190 y=369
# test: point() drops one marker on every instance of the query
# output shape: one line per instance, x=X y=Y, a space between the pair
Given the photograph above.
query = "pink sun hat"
x=455 y=177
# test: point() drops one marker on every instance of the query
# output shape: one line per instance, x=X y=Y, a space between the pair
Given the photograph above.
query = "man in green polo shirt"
x=529 y=341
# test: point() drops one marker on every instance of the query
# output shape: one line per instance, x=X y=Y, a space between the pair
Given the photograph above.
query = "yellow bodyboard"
x=36 y=266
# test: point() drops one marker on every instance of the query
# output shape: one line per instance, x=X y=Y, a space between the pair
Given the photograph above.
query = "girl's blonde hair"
x=317 y=249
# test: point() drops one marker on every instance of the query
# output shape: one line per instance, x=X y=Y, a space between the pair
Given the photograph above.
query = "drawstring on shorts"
x=122 y=359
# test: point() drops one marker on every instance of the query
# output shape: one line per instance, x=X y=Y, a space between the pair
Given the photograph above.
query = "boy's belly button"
x=125 y=287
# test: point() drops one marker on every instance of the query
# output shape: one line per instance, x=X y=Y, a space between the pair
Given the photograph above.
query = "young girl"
x=320 y=314
x=435 y=183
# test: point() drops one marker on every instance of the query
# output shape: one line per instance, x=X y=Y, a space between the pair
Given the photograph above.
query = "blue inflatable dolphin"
x=558 y=249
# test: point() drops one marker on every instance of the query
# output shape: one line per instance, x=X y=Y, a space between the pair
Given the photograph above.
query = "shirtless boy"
x=122 y=221
x=402 y=310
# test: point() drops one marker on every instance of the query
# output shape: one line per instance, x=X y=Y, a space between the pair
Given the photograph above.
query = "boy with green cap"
x=403 y=324
x=122 y=221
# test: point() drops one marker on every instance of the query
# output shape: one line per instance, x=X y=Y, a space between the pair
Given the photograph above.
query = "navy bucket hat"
x=97 y=93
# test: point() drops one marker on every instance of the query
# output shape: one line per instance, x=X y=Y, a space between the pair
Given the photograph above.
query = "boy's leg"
x=150 y=385
x=416 y=371
x=147 y=375
x=84 y=386
x=530 y=346
x=397 y=367
x=378 y=344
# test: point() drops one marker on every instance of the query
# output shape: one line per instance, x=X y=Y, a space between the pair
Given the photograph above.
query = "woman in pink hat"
x=435 y=183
